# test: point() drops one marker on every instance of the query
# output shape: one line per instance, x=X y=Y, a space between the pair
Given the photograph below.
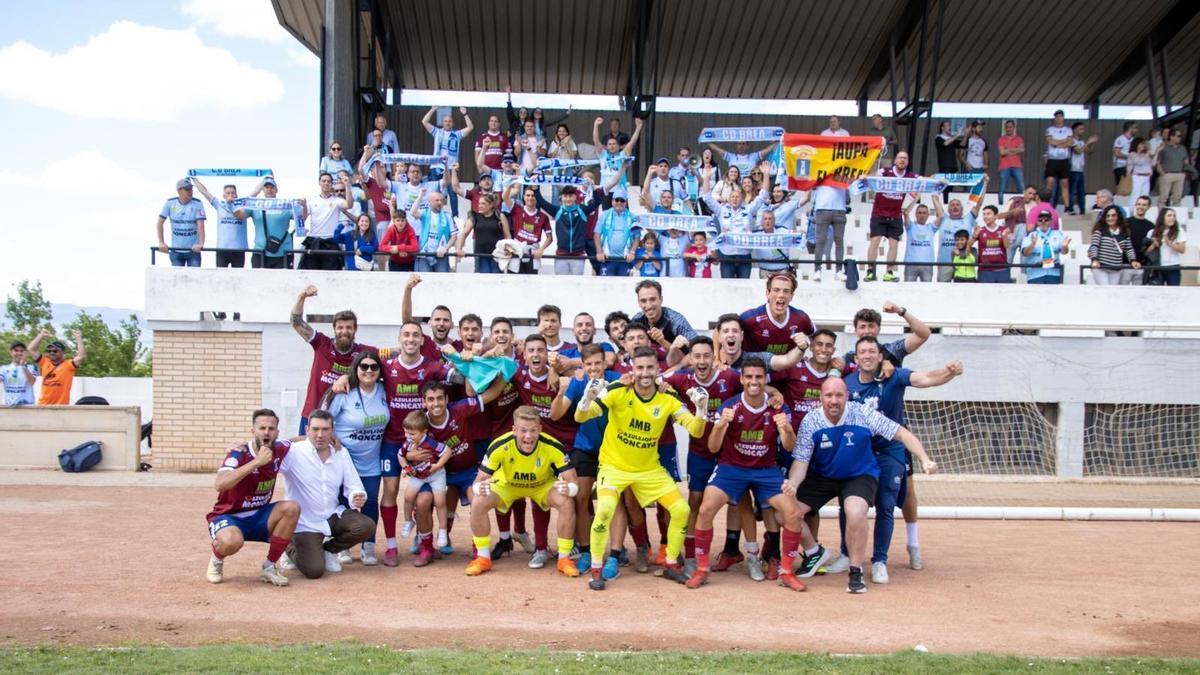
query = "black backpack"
x=81 y=457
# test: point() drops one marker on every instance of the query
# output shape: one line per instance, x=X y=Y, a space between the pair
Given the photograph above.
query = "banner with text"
x=780 y=240
x=230 y=173
x=735 y=134
x=662 y=222
x=892 y=185
x=974 y=181
x=812 y=160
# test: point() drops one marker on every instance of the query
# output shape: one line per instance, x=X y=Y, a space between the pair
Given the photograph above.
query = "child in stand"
x=964 y=258
x=645 y=256
x=699 y=258
x=671 y=250
x=429 y=472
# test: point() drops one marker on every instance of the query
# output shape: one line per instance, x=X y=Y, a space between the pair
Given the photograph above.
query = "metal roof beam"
x=902 y=31
x=1159 y=35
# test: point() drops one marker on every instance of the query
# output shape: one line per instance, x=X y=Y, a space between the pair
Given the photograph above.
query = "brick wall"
x=206 y=384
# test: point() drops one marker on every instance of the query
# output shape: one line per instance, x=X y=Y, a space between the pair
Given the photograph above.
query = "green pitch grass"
x=343 y=658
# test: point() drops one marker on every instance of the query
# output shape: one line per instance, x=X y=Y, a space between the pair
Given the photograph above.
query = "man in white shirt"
x=835 y=127
x=975 y=150
x=1120 y=151
x=322 y=213
x=317 y=471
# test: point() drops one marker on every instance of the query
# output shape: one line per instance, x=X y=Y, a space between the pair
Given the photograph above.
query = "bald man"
x=833 y=458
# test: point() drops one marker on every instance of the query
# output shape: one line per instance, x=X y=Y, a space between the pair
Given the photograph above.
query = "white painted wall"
x=119 y=391
x=1069 y=371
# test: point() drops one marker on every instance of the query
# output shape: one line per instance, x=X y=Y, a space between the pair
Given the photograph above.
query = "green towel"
x=482 y=370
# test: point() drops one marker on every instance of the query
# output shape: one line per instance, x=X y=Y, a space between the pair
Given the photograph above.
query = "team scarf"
x=403 y=158
x=549 y=164
x=893 y=185
x=661 y=222
x=971 y=180
x=275 y=205
x=552 y=179
x=231 y=173
x=768 y=240
x=734 y=134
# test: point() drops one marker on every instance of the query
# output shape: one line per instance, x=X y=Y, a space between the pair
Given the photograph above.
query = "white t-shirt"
x=323 y=215
x=1121 y=143
x=827 y=198
x=1168 y=255
x=1078 y=156
x=1058 y=134
x=831 y=132
x=976 y=146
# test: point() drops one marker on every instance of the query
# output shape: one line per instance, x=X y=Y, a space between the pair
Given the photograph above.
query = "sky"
x=106 y=105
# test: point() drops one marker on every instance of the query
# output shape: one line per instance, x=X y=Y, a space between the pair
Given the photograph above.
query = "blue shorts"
x=700 y=469
x=389 y=463
x=735 y=480
x=461 y=480
x=253 y=526
x=669 y=460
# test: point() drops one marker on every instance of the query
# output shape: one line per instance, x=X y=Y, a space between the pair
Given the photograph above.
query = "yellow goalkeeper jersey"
x=635 y=425
x=509 y=466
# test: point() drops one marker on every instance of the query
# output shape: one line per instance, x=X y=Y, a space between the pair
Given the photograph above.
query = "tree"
x=29 y=312
x=110 y=353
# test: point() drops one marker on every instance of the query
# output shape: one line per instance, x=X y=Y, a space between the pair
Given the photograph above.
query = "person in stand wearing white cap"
x=615 y=243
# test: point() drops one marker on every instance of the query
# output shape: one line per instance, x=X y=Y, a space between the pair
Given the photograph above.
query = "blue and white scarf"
x=895 y=185
x=662 y=222
x=734 y=134
x=552 y=179
x=403 y=158
x=275 y=205
x=231 y=173
x=781 y=240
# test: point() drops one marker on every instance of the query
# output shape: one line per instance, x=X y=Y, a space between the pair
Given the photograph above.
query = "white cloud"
x=253 y=19
x=135 y=72
x=91 y=175
x=302 y=58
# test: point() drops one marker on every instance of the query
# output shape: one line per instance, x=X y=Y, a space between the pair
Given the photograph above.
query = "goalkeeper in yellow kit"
x=637 y=416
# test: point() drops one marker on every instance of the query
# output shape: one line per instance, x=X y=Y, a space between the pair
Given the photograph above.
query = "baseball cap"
x=482 y=176
x=57 y=344
x=621 y=193
x=270 y=181
x=1058 y=112
x=663 y=160
x=183 y=184
x=1044 y=215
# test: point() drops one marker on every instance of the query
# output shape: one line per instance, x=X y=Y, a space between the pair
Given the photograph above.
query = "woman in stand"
x=359 y=243
x=1141 y=170
x=489 y=226
x=1171 y=242
x=1111 y=249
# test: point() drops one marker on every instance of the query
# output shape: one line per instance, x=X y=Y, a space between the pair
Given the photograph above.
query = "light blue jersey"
x=446 y=144
x=231 y=230
x=921 y=238
x=358 y=422
x=184 y=219
x=946 y=234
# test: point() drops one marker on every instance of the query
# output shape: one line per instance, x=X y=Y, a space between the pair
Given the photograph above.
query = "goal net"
x=989 y=438
x=1145 y=441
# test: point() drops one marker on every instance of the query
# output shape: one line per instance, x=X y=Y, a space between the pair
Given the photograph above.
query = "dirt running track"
x=121 y=565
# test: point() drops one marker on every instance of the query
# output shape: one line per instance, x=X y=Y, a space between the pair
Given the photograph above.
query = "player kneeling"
x=744 y=438
x=524 y=463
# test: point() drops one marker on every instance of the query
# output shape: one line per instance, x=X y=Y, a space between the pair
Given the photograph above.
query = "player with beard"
x=614 y=328
x=801 y=389
x=745 y=439
x=583 y=328
x=770 y=326
x=629 y=457
x=331 y=357
x=440 y=321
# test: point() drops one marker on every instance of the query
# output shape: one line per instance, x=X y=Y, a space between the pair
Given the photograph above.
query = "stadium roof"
x=1011 y=51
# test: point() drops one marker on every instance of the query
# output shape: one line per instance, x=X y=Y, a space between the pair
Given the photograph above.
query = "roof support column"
x=339 y=61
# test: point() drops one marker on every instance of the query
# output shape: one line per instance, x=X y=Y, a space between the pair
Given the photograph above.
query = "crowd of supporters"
x=417 y=216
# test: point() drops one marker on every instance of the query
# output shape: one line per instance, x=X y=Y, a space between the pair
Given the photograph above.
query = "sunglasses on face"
x=369 y=367
x=335 y=149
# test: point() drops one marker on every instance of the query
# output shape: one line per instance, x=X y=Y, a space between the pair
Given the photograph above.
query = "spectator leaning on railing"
x=187 y=226
x=272 y=231
x=1139 y=236
x=399 y=242
x=321 y=213
x=18 y=377
x=1110 y=249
